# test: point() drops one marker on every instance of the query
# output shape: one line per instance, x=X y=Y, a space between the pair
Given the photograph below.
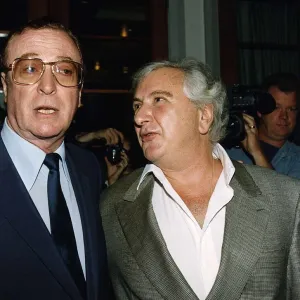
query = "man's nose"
x=143 y=115
x=47 y=84
x=283 y=113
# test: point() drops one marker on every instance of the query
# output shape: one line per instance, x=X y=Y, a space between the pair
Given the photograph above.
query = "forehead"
x=47 y=44
x=288 y=99
x=167 y=79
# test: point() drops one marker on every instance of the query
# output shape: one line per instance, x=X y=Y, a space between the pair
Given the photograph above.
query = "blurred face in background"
x=276 y=127
x=41 y=112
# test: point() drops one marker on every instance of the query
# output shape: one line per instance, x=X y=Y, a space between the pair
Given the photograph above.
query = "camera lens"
x=235 y=129
x=113 y=154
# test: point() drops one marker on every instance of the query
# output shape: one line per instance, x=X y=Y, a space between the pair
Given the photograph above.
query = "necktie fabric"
x=61 y=225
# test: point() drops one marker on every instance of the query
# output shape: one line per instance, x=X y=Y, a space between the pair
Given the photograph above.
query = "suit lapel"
x=18 y=209
x=246 y=220
x=81 y=188
x=143 y=235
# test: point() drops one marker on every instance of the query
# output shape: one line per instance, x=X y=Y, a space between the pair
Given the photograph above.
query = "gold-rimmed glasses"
x=27 y=71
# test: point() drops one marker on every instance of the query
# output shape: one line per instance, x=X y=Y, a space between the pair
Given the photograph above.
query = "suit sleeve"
x=293 y=268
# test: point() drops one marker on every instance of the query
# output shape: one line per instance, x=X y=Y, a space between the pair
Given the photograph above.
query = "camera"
x=100 y=148
x=249 y=100
x=113 y=153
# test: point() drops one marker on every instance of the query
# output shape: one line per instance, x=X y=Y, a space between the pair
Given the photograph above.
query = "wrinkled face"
x=279 y=124
x=166 y=121
x=42 y=111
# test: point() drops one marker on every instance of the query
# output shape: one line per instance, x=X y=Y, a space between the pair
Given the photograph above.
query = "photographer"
x=266 y=143
x=113 y=141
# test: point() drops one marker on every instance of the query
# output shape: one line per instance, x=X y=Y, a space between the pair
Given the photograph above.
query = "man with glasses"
x=52 y=244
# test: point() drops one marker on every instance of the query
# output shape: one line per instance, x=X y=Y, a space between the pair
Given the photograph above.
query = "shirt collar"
x=27 y=158
x=218 y=152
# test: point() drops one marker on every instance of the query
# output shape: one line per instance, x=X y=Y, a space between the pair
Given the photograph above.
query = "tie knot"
x=52 y=161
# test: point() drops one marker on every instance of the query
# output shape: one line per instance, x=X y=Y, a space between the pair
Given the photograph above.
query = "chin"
x=152 y=155
x=48 y=133
x=285 y=134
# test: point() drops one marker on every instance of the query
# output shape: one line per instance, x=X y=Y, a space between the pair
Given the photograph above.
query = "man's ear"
x=206 y=117
x=4 y=85
x=259 y=114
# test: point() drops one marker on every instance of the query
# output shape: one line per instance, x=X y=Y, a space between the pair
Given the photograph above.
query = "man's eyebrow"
x=34 y=55
x=155 y=93
x=136 y=99
x=28 y=55
x=161 y=92
x=65 y=58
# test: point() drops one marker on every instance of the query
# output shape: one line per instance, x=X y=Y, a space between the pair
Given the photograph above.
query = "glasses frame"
x=52 y=63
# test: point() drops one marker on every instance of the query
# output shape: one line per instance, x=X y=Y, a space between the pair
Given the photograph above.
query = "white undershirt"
x=195 y=250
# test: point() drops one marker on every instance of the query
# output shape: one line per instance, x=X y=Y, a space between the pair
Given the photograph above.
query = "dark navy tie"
x=61 y=225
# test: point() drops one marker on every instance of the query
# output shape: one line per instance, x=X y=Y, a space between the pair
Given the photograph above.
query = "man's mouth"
x=146 y=137
x=46 y=110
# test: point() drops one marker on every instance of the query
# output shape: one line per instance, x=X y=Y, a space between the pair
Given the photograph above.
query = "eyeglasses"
x=27 y=71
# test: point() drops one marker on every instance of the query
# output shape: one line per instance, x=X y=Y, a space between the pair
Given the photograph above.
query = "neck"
x=195 y=186
x=193 y=172
x=47 y=146
x=276 y=143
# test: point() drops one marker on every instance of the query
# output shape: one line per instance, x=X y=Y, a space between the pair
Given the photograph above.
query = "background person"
x=110 y=139
x=192 y=224
x=52 y=243
x=266 y=143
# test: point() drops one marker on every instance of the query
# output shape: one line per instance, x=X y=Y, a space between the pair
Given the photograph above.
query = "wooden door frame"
x=229 y=54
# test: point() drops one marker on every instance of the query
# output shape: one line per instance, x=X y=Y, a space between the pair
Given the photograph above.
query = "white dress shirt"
x=195 y=250
x=28 y=160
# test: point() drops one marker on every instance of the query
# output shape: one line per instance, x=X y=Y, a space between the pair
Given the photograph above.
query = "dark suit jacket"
x=261 y=246
x=30 y=266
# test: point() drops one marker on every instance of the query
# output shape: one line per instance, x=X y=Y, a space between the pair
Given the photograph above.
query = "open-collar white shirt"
x=195 y=250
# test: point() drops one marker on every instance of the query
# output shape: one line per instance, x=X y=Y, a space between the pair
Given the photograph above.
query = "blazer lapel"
x=143 y=235
x=246 y=220
x=17 y=208
x=81 y=188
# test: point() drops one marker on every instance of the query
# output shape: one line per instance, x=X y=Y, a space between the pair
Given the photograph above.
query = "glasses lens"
x=27 y=71
x=68 y=73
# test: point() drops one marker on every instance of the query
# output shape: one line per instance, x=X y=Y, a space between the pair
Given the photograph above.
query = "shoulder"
x=263 y=175
x=237 y=154
x=123 y=184
x=116 y=192
x=84 y=160
x=81 y=155
x=234 y=150
x=275 y=186
x=293 y=148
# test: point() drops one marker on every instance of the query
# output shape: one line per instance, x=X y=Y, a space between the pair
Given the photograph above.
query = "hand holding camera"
x=113 y=147
x=244 y=100
x=114 y=170
x=251 y=142
x=108 y=136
